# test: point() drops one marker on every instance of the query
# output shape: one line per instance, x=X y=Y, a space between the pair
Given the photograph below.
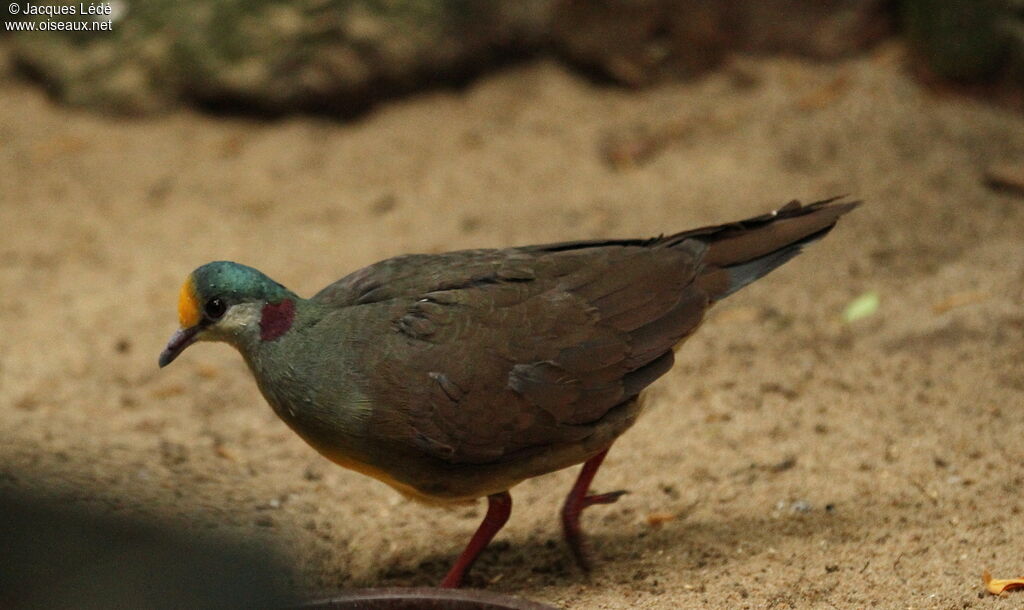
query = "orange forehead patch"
x=188 y=306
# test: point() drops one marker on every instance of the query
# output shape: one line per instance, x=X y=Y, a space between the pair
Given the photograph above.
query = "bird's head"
x=225 y=301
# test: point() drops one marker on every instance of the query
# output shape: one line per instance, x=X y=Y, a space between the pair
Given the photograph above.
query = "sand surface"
x=789 y=460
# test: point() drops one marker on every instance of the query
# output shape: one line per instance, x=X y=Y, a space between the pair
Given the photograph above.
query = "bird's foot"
x=576 y=501
x=571 y=512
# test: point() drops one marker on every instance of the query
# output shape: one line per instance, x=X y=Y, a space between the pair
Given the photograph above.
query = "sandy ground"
x=789 y=460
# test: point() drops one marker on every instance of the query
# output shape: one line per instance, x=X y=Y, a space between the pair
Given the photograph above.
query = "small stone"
x=801 y=506
x=27 y=403
x=1006 y=177
x=384 y=204
x=784 y=465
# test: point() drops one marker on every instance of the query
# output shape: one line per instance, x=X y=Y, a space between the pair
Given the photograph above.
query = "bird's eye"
x=214 y=309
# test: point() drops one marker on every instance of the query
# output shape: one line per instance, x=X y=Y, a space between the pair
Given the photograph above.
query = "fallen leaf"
x=168 y=391
x=659 y=519
x=633 y=146
x=206 y=371
x=59 y=146
x=231 y=146
x=999 y=586
x=223 y=452
x=959 y=299
x=826 y=95
x=862 y=307
x=889 y=54
x=628 y=151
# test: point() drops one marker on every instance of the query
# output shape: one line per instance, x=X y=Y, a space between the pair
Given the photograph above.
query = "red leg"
x=499 y=506
x=576 y=501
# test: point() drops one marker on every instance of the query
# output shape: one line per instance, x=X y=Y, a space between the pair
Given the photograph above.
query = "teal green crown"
x=236 y=283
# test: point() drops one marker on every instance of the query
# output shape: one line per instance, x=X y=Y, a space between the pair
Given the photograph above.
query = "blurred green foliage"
x=962 y=39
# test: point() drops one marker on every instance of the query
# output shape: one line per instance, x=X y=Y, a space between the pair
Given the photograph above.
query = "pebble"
x=798 y=506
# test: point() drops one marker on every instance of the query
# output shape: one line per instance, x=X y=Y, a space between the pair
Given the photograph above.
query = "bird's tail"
x=740 y=252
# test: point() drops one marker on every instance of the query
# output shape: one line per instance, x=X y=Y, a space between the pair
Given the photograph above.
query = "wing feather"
x=527 y=348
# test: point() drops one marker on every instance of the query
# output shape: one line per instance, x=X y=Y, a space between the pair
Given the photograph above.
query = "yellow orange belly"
x=406 y=490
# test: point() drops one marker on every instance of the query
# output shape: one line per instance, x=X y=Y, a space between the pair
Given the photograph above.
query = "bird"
x=455 y=376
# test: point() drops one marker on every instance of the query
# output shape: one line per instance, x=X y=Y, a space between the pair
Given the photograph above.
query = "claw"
x=576 y=501
x=606 y=498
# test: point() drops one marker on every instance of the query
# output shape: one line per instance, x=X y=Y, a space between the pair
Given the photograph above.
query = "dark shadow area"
x=550 y=563
x=55 y=556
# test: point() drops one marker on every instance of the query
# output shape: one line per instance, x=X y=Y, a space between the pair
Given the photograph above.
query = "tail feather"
x=741 y=252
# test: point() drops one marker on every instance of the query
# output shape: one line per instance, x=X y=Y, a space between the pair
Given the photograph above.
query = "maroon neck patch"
x=276 y=319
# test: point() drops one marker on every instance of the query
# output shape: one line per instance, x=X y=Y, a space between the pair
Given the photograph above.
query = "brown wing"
x=536 y=353
x=411 y=275
x=492 y=352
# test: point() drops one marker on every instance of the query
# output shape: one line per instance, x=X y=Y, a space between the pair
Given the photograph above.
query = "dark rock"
x=339 y=56
x=275 y=56
x=639 y=41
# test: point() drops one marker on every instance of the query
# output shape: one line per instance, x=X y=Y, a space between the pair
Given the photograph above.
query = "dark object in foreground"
x=455 y=376
x=60 y=557
x=413 y=598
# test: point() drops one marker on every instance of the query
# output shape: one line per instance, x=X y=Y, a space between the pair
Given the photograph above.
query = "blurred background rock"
x=339 y=56
x=966 y=40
